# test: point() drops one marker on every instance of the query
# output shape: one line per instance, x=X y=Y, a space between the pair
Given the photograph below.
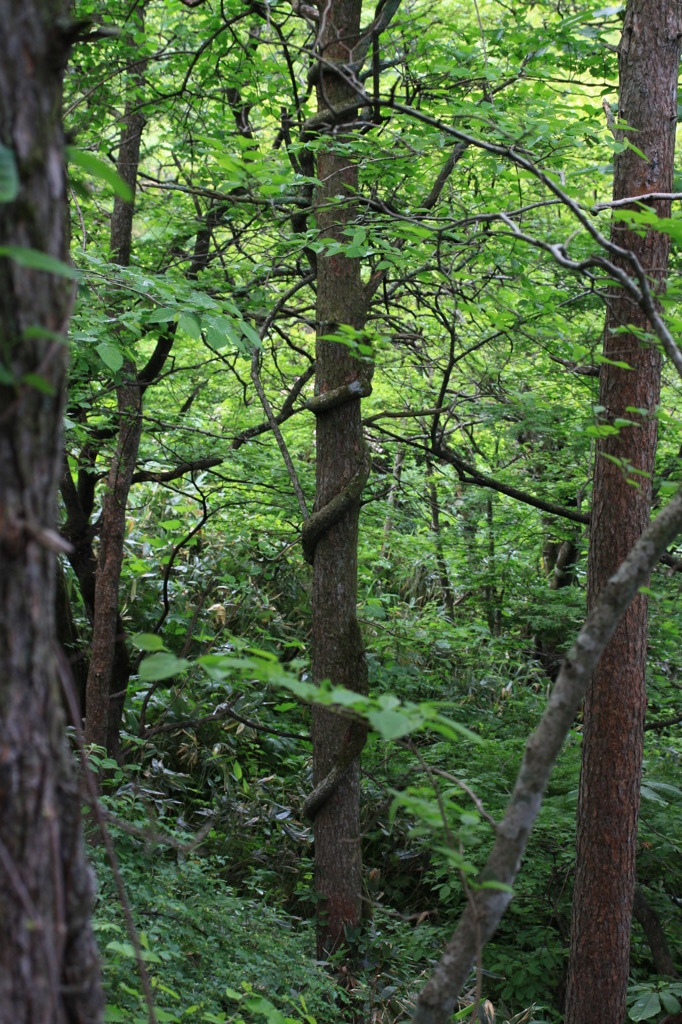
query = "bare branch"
x=629 y=200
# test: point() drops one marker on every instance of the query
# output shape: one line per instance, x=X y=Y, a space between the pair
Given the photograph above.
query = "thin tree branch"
x=281 y=443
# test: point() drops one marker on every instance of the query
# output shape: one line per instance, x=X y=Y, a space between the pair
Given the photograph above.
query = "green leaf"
x=127 y=950
x=265 y=1008
x=645 y=1007
x=220 y=332
x=34 y=380
x=449 y=729
x=629 y=145
x=493 y=884
x=162 y=666
x=99 y=169
x=114 y=1014
x=111 y=356
x=612 y=362
x=9 y=177
x=250 y=333
x=148 y=642
x=665 y=787
x=33 y=259
x=671 y=1003
x=38 y=331
x=191 y=325
x=161 y=315
x=391 y=725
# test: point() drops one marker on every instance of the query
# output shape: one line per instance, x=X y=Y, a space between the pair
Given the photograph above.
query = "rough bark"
x=484 y=910
x=338 y=650
x=48 y=958
x=608 y=803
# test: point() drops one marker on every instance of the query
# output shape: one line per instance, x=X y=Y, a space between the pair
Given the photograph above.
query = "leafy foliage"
x=481 y=426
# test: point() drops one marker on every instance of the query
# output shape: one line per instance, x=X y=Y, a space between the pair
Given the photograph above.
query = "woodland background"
x=184 y=601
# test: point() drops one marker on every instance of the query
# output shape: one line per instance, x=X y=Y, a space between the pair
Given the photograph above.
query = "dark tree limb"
x=284 y=414
x=470 y=475
x=647 y=917
x=354 y=741
x=322 y=521
x=182 y=469
x=664 y=723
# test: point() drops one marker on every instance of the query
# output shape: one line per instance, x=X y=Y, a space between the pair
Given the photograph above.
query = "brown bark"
x=338 y=651
x=616 y=699
x=48 y=958
x=106 y=623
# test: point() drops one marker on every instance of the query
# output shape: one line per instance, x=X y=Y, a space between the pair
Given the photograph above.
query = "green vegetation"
x=485 y=167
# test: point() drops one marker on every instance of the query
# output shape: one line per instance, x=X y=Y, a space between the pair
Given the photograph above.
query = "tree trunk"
x=48 y=958
x=338 y=651
x=109 y=667
x=615 y=702
x=447 y=594
x=394 y=490
x=101 y=727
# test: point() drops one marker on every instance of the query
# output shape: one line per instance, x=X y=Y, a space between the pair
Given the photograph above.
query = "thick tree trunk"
x=616 y=700
x=48 y=959
x=338 y=651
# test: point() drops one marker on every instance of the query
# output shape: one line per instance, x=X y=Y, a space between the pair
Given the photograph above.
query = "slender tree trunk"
x=48 y=958
x=109 y=667
x=443 y=574
x=338 y=650
x=107 y=628
x=616 y=700
x=396 y=475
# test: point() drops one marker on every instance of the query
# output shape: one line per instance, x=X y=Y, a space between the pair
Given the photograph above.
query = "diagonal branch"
x=481 y=917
